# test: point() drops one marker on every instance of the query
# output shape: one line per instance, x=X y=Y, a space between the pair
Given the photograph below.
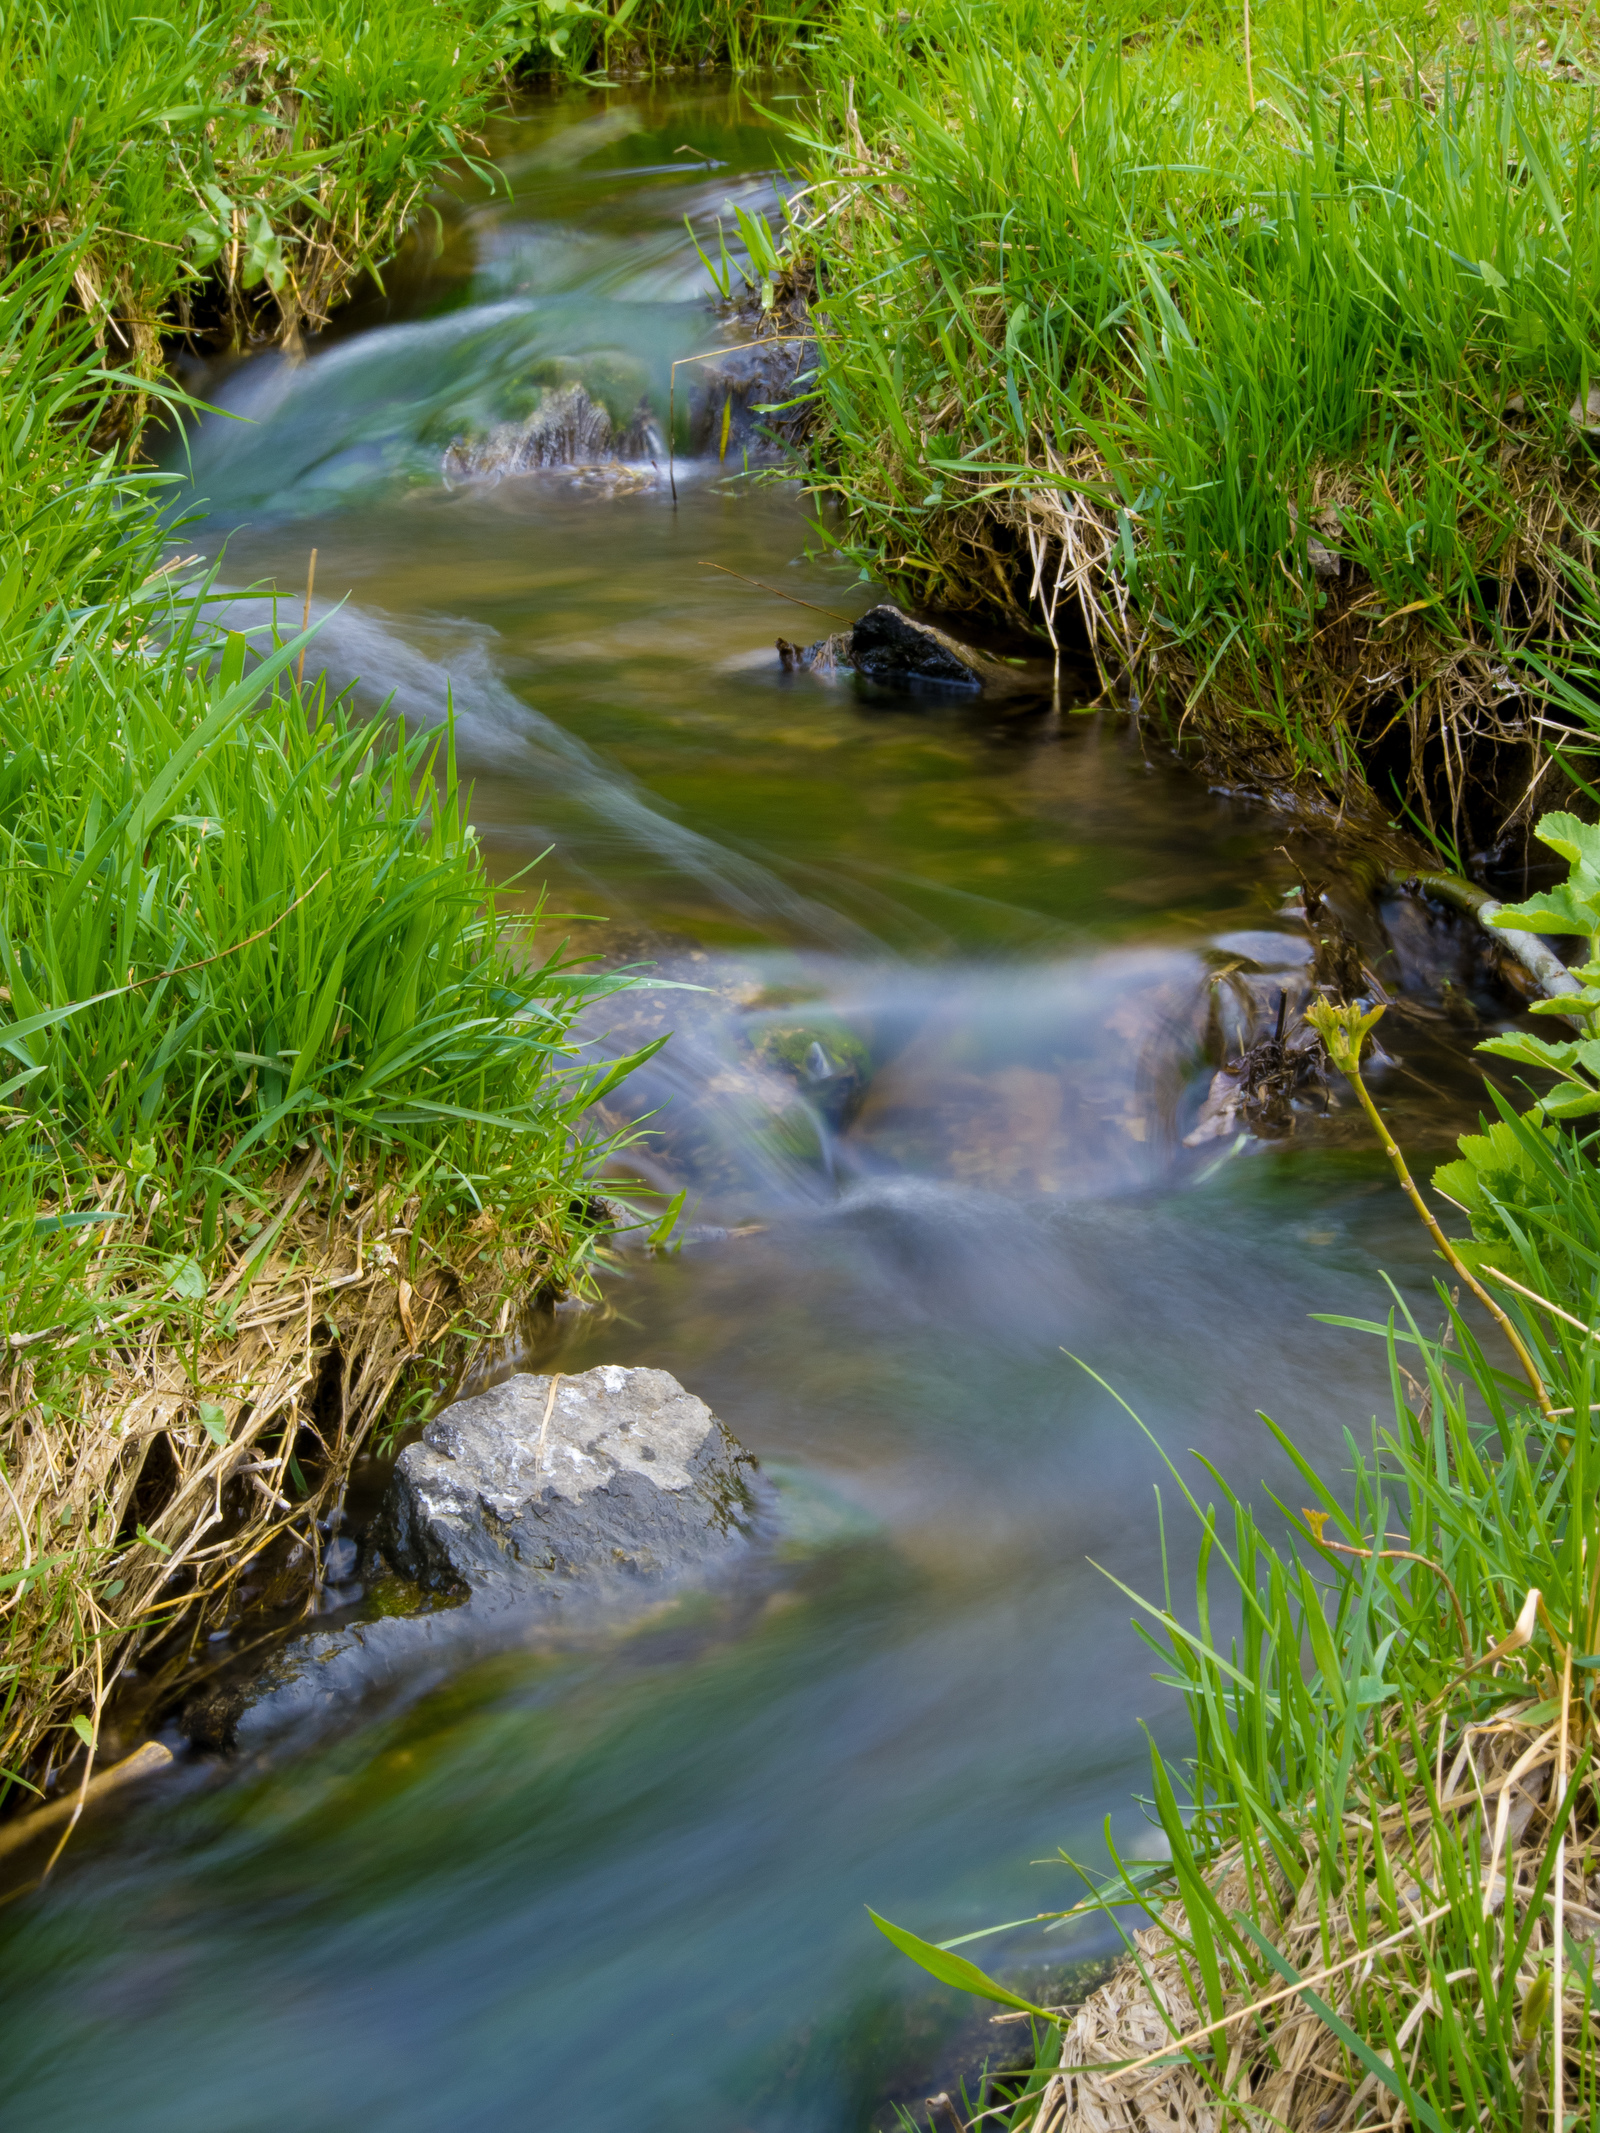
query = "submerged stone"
x=750 y=403
x=541 y=1488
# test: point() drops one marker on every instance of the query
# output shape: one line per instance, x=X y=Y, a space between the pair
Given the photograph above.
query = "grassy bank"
x=228 y=168
x=291 y=1116
x=1270 y=369
x=226 y=171
x=1255 y=368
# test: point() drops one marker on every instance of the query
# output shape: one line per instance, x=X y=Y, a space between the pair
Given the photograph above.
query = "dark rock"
x=749 y=389
x=311 y=1678
x=1326 y=562
x=539 y=1489
x=891 y=648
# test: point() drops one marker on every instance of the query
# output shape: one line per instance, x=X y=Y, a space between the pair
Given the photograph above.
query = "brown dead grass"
x=1274 y=2063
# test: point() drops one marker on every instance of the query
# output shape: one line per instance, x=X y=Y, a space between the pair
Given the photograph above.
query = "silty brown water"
x=929 y=1110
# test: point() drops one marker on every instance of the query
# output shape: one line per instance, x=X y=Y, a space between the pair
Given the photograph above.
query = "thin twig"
x=1557 y=2024
x=704 y=355
x=92 y=1748
x=1544 y=1303
x=549 y=1410
x=184 y=969
x=760 y=587
x=157 y=977
x=1315 y=1520
x=142 y=1762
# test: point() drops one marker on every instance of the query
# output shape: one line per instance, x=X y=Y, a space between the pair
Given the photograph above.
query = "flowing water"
x=929 y=1110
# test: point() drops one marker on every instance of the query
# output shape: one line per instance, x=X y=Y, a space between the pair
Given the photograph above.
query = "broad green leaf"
x=953 y=1969
x=1557 y=910
x=185 y=1278
x=1574 y=840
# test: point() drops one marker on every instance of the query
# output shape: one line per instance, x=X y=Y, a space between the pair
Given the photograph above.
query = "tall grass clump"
x=1380 y=1903
x=1275 y=379
x=289 y=1114
x=226 y=167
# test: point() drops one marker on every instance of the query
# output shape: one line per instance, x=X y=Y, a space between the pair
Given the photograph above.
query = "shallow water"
x=622 y=1882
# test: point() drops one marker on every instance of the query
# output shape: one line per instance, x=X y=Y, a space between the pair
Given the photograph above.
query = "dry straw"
x=1131 y=2058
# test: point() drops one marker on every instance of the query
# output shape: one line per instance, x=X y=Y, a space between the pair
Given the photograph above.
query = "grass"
x=1274 y=392
x=576 y=38
x=228 y=170
x=291 y=1117
x=225 y=166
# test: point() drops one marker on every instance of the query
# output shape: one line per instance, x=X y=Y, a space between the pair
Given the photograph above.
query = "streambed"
x=623 y=1881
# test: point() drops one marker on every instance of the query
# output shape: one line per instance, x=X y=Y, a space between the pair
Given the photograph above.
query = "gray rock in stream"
x=750 y=403
x=313 y=1678
x=536 y=1491
x=632 y=1487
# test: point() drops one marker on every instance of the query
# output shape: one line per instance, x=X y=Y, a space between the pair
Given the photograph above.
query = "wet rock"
x=311 y=1679
x=716 y=1114
x=1326 y=562
x=514 y=1510
x=828 y=1062
x=541 y=1488
x=566 y=429
x=1262 y=1088
x=890 y=647
x=738 y=405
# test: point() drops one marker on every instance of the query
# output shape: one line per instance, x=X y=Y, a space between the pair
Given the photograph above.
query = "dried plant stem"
x=1275 y=1999
x=832 y=613
x=1557 y=2023
x=143 y=1762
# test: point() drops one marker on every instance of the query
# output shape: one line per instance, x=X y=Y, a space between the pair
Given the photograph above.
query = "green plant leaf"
x=953 y=1969
x=184 y=1278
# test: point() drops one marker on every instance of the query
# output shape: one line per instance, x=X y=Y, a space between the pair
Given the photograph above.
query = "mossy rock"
x=788 y=1045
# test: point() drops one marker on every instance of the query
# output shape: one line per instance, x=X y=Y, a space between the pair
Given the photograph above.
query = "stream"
x=929 y=1109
